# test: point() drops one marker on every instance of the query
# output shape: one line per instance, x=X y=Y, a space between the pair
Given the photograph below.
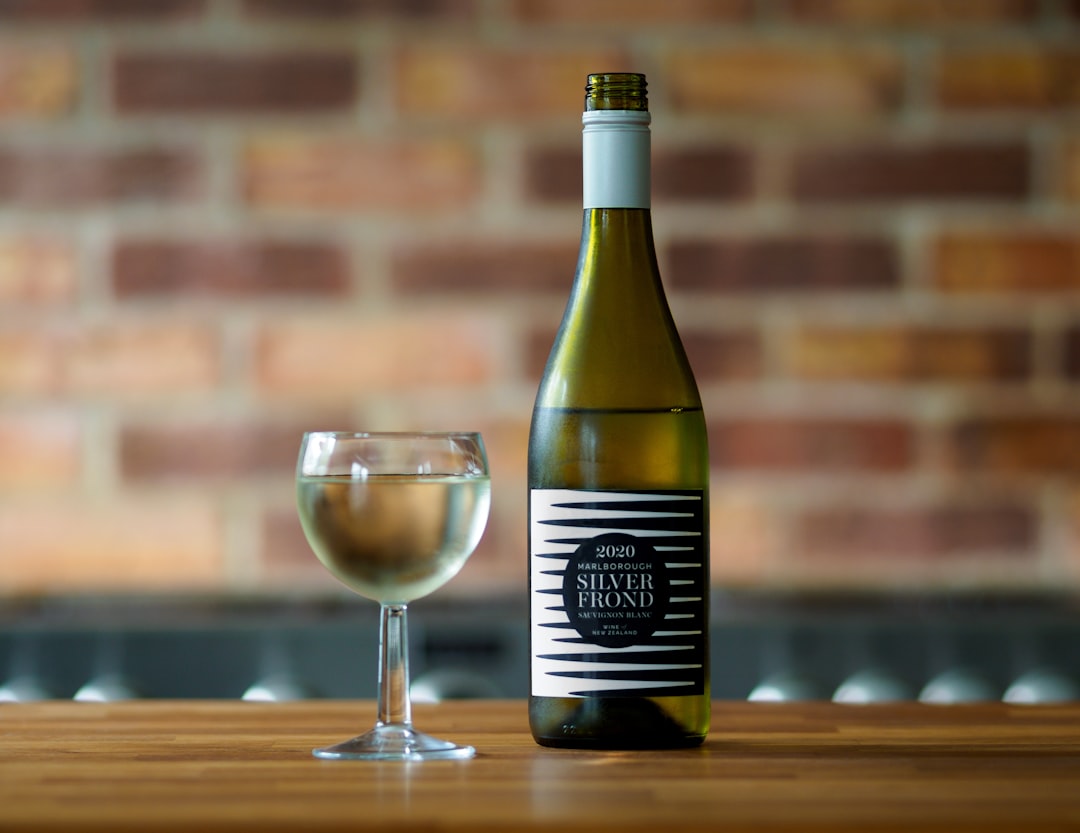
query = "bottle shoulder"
x=618 y=345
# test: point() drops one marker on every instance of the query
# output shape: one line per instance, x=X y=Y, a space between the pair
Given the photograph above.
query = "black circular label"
x=615 y=590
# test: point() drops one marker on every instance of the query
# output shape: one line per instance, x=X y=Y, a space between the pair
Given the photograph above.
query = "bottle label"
x=619 y=590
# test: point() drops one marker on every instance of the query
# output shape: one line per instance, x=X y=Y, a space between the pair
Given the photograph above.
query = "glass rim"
x=459 y=453
x=389 y=435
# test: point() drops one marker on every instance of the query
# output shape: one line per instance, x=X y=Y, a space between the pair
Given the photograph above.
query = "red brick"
x=538 y=345
x=499 y=268
x=912 y=12
x=76 y=177
x=29 y=363
x=444 y=11
x=136 y=359
x=39 y=450
x=36 y=81
x=344 y=359
x=470 y=82
x=1071 y=352
x=1071 y=171
x=989 y=573
x=791 y=80
x=228 y=269
x=927 y=172
x=714 y=173
x=783 y=264
x=745 y=539
x=1007 y=261
x=624 y=13
x=91 y=11
x=37 y=271
x=926 y=531
x=494 y=568
x=1070 y=522
x=342 y=172
x=1032 y=445
x=724 y=356
x=89 y=545
x=553 y=174
x=1030 y=77
x=216 y=449
x=861 y=533
x=285 y=556
x=811 y=445
x=910 y=354
x=233 y=84
x=113 y=360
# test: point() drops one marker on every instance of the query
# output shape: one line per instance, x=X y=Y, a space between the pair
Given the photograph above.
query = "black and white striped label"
x=619 y=584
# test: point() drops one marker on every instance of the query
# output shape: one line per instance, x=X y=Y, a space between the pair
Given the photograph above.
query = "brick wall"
x=225 y=221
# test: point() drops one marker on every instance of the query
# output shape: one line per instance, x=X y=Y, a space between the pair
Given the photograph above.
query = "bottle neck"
x=615 y=159
x=617 y=263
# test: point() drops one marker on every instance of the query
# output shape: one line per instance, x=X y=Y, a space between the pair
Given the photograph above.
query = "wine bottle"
x=618 y=475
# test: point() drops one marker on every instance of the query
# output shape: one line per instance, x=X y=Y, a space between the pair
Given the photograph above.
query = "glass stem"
x=394 y=707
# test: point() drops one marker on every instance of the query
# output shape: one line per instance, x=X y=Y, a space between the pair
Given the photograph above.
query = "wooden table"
x=203 y=766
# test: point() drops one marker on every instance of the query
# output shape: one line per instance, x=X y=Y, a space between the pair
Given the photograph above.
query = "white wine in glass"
x=393 y=516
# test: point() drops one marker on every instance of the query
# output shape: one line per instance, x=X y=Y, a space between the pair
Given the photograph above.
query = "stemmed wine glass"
x=393 y=516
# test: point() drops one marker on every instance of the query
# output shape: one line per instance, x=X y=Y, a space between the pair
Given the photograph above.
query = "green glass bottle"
x=618 y=475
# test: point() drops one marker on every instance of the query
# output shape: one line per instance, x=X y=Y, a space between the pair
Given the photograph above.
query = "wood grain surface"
x=211 y=765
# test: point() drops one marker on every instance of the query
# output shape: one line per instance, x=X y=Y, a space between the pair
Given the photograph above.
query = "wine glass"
x=393 y=516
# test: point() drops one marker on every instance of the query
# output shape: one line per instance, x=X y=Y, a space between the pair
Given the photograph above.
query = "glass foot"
x=394 y=743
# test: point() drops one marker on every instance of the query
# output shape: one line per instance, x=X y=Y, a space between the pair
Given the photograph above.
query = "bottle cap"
x=616 y=91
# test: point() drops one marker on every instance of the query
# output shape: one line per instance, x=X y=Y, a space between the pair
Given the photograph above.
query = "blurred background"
x=223 y=222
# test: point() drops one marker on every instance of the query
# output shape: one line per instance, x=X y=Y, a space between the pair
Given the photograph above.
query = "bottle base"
x=616 y=744
x=611 y=723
